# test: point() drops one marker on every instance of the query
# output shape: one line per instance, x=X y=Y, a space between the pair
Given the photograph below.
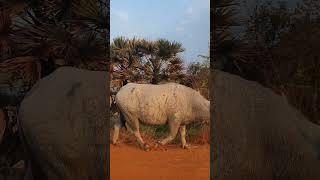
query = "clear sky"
x=185 y=21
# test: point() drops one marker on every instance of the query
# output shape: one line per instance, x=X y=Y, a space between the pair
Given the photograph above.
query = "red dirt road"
x=128 y=162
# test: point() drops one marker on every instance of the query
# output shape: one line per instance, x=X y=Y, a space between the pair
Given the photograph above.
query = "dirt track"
x=130 y=163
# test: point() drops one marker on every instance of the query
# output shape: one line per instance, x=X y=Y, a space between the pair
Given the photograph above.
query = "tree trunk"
x=155 y=76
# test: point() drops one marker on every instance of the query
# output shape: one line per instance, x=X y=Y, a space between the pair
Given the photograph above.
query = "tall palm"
x=125 y=55
x=147 y=60
x=229 y=52
x=162 y=58
x=26 y=68
x=10 y=62
x=67 y=31
x=6 y=44
x=35 y=35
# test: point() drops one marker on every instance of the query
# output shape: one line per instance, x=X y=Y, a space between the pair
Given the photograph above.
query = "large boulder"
x=63 y=122
x=258 y=135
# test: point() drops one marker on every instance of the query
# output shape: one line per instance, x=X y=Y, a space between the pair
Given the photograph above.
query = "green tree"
x=37 y=36
x=199 y=73
x=54 y=33
x=265 y=28
x=297 y=58
x=287 y=44
x=160 y=57
x=307 y=11
x=229 y=51
x=152 y=61
x=126 y=56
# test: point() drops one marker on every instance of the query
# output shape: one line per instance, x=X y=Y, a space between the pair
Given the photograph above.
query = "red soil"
x=128 y=162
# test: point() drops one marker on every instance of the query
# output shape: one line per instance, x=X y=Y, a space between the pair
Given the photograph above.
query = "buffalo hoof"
x=146 y=147
x=186 y=146
x=115 y=143
x=158 y=144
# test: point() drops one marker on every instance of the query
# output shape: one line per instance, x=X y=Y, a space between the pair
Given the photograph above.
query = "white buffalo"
x=170 y=103
x=257 y=134
x=63 y=126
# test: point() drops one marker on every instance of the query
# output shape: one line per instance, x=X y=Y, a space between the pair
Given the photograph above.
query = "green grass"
x=196 y=132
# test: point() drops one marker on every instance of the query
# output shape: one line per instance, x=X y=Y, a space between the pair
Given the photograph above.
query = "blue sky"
x=185 y=21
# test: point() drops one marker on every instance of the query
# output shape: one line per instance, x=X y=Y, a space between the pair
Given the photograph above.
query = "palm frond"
x=5 y=31
x=27 y=68
x=90 y=48
x=93 y=12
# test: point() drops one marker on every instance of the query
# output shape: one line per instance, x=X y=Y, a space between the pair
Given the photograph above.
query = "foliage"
x=151 y=61
x=307 y=11
x=198 y=75
x=229 y=51
x=51 y=33
x=285 y=52
x=36 y=37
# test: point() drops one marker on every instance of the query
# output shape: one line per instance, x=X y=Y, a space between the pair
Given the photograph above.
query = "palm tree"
x=162 y=60
x=53 y=32
x=125 y=55
x=36 y=37
x=229 y=51
x=5 y=31
x=148 y=60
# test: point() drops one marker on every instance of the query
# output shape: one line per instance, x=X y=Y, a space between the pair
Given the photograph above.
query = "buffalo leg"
x=116 y=129
x=134 y=127
x=174 y=127
x=116 y=133
x=182 y=131
x=140 y=140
